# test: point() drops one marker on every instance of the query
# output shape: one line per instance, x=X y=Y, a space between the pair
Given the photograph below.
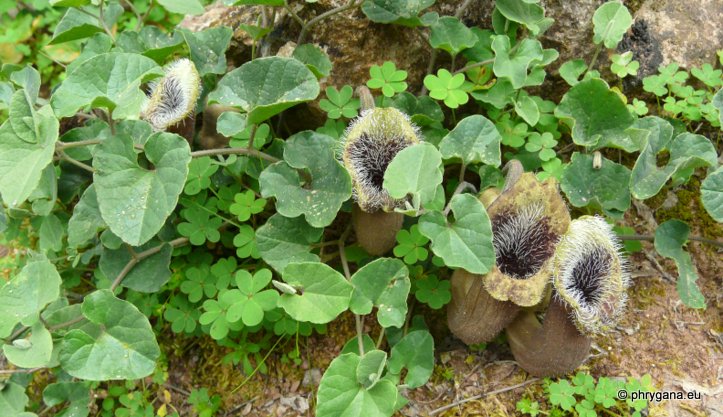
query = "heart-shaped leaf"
x=341 y=395
x=475 y=139
x=669 y=240
x=610 y=22
x=86 y=221
x=597 y=115
x=135 y=201
x=416 y=353
x=383 y=283
x=265 y=87
x=75 y=25
x=26 y=294
x=310 y=181
x=119 y=342
x=111 y=80
x=323 y=293
x=606 y=187
x=415 y=170
x=282 y=241
x=711 y=193
x=514 y=64
x=467 y=241
x=27 y=145
x=38 y=351
x=371 y=367
x=208 y=48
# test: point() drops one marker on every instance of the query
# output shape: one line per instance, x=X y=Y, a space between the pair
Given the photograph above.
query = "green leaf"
x=185 y=7
x=265 y=87
x=119 y=342
x=687 y=152
x=388 y=78
x=571 y=71
x=447 y=87
x=148 y=275
x=75 y=25
x=230 y=123
x=416 y=353
x=467 y=241
x=415 y=170
x=69 y=3
x=669 y=240
x=475 y=139
x=115 y=85
x=526 y=108
x=718 y=104
x=208 y=48
x=340 y=395
x=324 y=293
x=27 y=78
x=451 y=35
x=314 y=58
x=51 y=234
x=711 y=193
x=13 y=400
x=283 y=240
x=389 y=11
x=383 y=283
x=27 y=145
x=321 y=188
x=597 y=115
x=25 y=295
x=610 y=22
x=60 y=392
x=38 y=350
x=515 y=64
x=606 y=187
x=371 y=367
x=135 y=201
x=151 y=42
x=528 y=13
x=86 y=221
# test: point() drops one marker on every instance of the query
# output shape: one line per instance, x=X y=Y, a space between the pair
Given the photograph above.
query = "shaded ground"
x=679 y=347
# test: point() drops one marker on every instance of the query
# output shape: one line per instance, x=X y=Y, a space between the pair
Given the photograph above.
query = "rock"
x=666 y=31
x=312 y=378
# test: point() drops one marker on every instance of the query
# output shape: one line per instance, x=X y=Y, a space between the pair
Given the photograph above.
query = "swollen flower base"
x=527 y=221
x=370 y=144
x=589 y=279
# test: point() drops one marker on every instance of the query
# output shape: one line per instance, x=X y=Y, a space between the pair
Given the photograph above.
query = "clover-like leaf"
x=415 y=352
x=323 y=292
x=340 y=103
x=265 y=87
x=25 y=295
x=111 y=80
x=669 y=240
x=415 y=170
x=119 y=342
x=451 y=35
x=687 y=152
x=383 y=283
x=253 y=299
x=447 y=87
x=711 y=194
x=433 y=291
x=562 y=394
x=310 y=181
x=606 y=187
x=598 y=116
x=283 y=240
x=388 y=78
x=135 y=201
x=467 y=241
x=475 y=139
x=27 y=145
x=340 y=393
x=610 y=22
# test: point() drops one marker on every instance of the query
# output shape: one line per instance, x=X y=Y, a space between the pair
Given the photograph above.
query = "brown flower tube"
x=369 y=145
x=589 y=294
x=527 y=220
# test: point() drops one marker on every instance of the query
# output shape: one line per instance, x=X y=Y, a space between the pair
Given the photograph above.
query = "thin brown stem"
x=483 y=395
x=305 y=29
x=63 y=156
x=137 y=257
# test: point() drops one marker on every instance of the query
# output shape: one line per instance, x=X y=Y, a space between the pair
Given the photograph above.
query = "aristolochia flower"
x=173 y=97
x=590 y=275
x=369 y=145
x=527 y=221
